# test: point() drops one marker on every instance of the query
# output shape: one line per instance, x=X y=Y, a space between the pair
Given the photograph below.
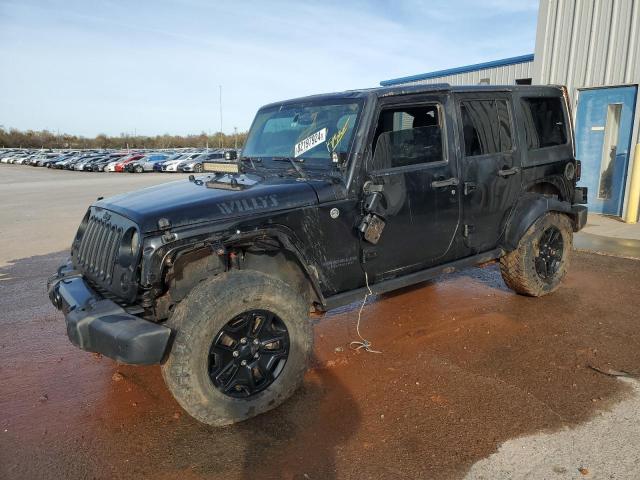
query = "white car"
x=111 y=166
x=80 y=165
x=172 y=165
x=23 y=160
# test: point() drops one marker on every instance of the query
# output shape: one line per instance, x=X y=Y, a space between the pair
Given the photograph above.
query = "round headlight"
x=128 y=247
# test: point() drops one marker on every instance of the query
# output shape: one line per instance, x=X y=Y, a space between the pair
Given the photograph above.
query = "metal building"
x=500 y=72
x=592 y=47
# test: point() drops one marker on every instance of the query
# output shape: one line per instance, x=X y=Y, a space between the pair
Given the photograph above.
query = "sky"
x=87 y=67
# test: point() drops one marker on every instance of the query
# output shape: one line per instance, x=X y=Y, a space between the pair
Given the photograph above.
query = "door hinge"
x=469 y=187
x=468 y=230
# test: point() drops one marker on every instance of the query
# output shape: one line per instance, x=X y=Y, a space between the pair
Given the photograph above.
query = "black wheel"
x=248 y=353
x=138 y=169
x=541 y=260
x=242 y=345
x=197 y=168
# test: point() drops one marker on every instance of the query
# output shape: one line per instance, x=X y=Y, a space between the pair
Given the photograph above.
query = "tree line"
x=14 y=138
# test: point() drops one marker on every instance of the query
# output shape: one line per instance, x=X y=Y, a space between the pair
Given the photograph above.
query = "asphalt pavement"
x=473 y=381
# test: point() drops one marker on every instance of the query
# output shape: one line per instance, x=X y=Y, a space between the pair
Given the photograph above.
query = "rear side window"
x=544 y=122
x=486 y=127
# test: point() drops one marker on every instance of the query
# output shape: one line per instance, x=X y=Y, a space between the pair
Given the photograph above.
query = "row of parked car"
x=138 y=161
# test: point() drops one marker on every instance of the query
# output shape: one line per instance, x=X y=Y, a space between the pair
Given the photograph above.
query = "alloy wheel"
x=248 y=353
x=550 y=251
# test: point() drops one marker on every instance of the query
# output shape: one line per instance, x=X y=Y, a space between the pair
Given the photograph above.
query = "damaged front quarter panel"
x=170 y=269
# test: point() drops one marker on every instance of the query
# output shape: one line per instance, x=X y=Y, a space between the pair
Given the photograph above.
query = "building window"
x=544 y=122
x=484 y=81
x=486 y=127
x=523 y=81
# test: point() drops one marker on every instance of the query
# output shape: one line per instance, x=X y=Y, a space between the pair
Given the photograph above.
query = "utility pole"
x=235 y=135
x=220 y=102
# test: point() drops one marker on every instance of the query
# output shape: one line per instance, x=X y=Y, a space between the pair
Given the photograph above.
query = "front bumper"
x=96 y=324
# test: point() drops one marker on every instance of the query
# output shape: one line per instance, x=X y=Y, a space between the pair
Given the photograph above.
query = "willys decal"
x=248 y=204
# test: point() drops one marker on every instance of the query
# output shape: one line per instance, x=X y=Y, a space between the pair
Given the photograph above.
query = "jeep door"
x=491 y=176
x=412 y=165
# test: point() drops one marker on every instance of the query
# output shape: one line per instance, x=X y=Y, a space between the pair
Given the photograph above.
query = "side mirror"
x=372 y=223
x=230 y=155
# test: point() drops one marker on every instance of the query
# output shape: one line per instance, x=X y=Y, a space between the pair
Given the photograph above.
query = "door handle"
x=450 y=182
x=507 y=172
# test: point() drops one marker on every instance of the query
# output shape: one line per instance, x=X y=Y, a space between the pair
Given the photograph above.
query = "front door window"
x=419 y=196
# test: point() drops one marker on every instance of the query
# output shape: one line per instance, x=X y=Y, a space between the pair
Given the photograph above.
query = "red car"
x=120 y=166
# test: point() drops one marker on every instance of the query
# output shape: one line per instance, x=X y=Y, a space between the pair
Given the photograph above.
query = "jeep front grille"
x=98 y=248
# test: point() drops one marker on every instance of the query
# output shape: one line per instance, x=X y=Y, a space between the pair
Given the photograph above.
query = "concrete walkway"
x=609 y=236
x=604 y=448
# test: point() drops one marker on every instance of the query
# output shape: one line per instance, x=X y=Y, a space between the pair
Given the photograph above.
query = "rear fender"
x=532 y=206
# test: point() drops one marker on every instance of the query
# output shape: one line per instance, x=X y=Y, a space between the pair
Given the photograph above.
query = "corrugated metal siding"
x=589 y=43
x=505 y=75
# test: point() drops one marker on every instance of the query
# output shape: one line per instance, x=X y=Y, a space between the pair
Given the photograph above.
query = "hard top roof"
x=393 y=90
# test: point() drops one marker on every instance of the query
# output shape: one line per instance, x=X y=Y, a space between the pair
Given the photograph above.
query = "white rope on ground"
x=363 y=343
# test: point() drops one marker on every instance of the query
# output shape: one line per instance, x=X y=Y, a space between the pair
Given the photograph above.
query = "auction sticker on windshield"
x=311 y=141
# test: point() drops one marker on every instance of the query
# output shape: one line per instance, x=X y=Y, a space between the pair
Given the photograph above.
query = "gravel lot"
x=472 y=380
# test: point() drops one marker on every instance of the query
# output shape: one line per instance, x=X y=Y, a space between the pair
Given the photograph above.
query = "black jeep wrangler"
x=214 y=277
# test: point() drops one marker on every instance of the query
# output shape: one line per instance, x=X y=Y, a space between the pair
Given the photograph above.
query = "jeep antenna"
x=220 y=102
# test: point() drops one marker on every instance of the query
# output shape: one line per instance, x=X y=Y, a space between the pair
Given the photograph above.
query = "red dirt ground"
x=465 y=365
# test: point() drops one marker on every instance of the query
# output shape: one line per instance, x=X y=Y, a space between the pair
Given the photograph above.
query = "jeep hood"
x=185 y=202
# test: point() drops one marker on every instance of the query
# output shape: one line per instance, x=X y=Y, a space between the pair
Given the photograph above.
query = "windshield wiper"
x=250 y=160
x=293 y=164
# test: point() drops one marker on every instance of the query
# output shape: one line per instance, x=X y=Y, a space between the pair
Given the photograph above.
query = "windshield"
x=304 y=131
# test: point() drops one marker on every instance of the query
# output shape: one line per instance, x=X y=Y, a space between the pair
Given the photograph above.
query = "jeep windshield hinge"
x=468 y=230
x=368 y=254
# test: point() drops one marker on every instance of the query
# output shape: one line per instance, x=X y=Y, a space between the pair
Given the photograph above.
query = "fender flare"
x=532 y=206
x=161 y=258
x=290 y=244
x=556 y=181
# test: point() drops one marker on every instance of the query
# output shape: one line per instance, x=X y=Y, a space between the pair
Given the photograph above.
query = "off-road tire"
x=518 y=267
x=202 y=314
